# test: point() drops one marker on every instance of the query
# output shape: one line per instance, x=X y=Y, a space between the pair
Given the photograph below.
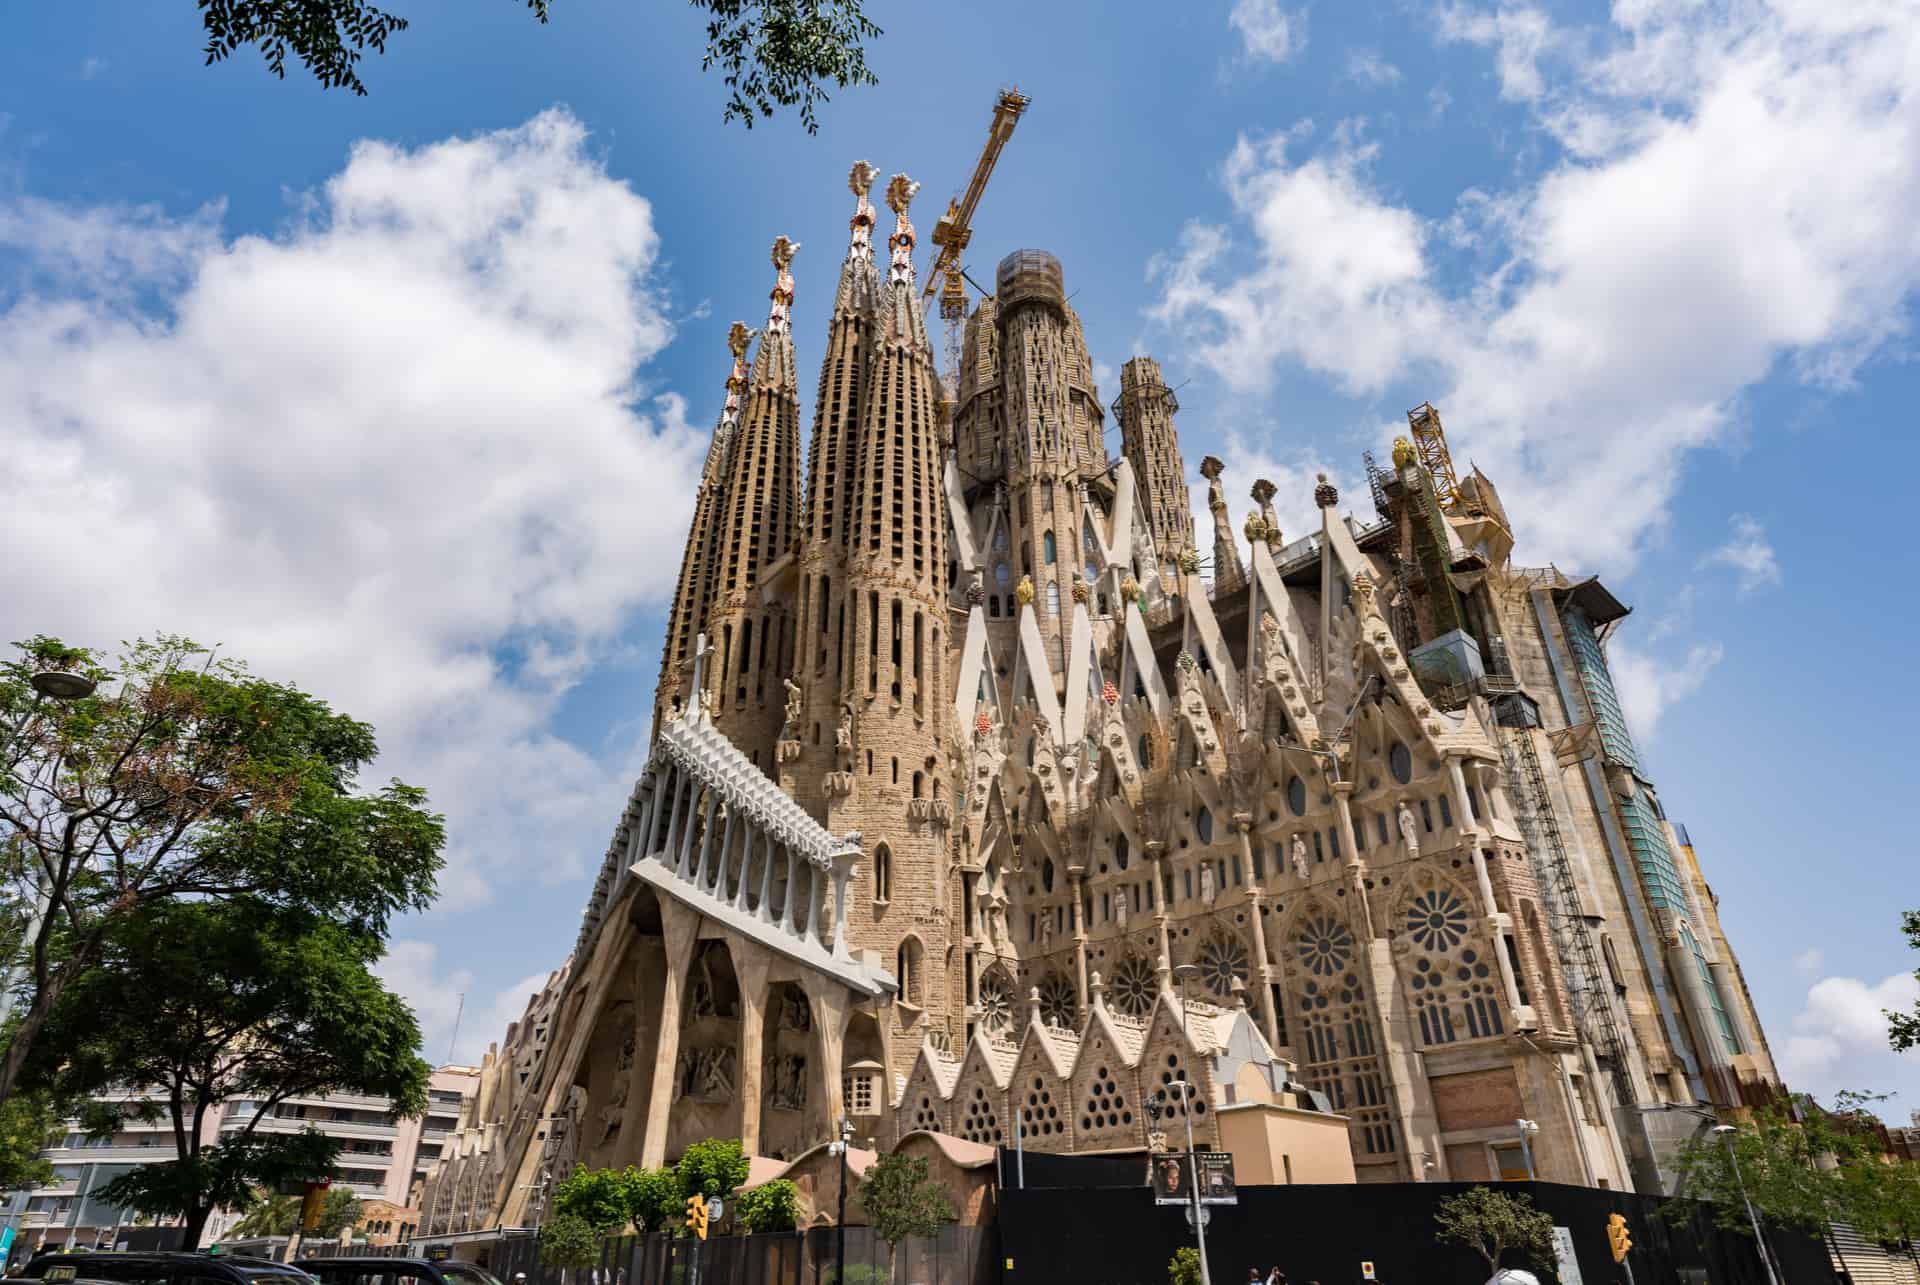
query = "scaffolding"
x=1430 y=443
x=1592 y=1007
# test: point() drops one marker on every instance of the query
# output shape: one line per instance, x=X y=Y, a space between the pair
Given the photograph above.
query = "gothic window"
x=1134 y=986
x=1001 y=575
x=1049 y=549
x=1059 y=1003
x=1120 y=851
x=996 y=1002
x=1000 y=540
x=1338 y=1044
x=1223 y=961
x=1046 y=875
x=1400 y=760
x=1053 y=598
x=1452 y=987
x=882 y=873
x=1297 y=796
x=910 y=961
x=1203 y=825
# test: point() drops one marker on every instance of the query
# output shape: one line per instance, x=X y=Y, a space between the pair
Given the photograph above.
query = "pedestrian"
x=1276 y=1277
x=1253 y=1276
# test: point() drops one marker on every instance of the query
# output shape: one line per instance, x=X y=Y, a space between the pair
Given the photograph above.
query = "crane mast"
x=955 y=229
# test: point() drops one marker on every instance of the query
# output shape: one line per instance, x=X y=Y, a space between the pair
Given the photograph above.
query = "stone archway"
x=706 y=1071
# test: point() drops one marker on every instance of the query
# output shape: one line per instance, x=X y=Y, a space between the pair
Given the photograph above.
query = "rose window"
x=996 y=1002
x=1134 y=986
x=1223 y=960
x=1325 y=945
x=1058 y=1002
x=1437 y=920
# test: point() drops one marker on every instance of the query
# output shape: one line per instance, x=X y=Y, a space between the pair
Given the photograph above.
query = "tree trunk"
x=28 y=1030
x=196 y=1223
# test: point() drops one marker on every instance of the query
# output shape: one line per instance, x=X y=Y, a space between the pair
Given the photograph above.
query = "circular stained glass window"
x=1325 y=945
x=1297 y=796
x=1401 y=761
x=1133 y=987
x=1437 y=920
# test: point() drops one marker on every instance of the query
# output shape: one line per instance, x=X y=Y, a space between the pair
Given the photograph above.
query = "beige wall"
x=1275 y=1145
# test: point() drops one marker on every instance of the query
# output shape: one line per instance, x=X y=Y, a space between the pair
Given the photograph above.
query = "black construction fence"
x=957 y=1256
x=1116 y=1235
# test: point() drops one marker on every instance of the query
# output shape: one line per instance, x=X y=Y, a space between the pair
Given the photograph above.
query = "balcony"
x=350 y=1101
x=113 y=1155
x=332 y=1128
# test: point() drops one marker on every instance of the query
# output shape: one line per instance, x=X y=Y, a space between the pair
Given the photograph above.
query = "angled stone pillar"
x=679 y=926
x=750 y=965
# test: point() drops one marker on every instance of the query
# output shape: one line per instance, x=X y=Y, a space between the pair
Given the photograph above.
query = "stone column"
x=749 y=833
x=769 y=853
x=830 y=1010
x=642 y=831
x=842 y=872
x=679 y=924
x=683 y=863
x=1075 y=877
x=1262 y=971
x=1157 y=854
x=705 y=862
x=1355 y=864
x=790 y=911
x=1462 y=805
x=726 y=855
x=1498 y=924
x=750 y=965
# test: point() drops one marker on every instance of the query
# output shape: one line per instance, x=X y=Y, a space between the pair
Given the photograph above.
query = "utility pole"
x=1186 y=973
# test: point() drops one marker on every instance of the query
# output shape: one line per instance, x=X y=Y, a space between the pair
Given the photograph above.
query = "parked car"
x=160 y=1268
x=396 y=1271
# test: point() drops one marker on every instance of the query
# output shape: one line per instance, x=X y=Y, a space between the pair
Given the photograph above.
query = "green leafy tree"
x=270 y=1215
x=28 y=1123
x=184 y=777
x=776 y=53
x=772 y=1206
x=597 y=1197
x=339 y=1210
x=653 y=1197
x=568 y=1241
x=901 y=1201
x=712 y=1167
x=204 y=1003
x=1184 y=1267
x=1904 y=1028
x=1492 y=1223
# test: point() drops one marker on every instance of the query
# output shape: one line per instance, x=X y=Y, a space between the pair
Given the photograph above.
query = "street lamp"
x=1527 y=1129
x=840 y=1223
x=1186 y=973
x=1725 y=1133
x=62 y=685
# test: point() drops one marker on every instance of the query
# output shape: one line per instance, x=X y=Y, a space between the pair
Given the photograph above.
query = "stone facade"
x=1372 y=784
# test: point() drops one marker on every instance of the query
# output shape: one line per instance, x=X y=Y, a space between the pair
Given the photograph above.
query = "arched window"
x=1203 y=825
x=1047 y=547
x=1046 y=875
x=1053 y=599
x=918 y=781
x=910 y=963
x=1338 y=1041
x=1120 y=851
x=882 y=873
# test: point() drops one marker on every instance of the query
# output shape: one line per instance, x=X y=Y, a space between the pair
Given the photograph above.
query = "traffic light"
x=1617 y=1238
x=697 y=1215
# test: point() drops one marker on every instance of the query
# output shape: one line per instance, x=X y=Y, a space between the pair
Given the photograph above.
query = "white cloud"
x=1369 y=68
x=1739 y=190
x=1808 y=961
x=1648 y=685
x=1748 y=553
x=1103 y=374
x=1269 y=32
x=1839 y=1038
x=395 y=453
x=457 y=1023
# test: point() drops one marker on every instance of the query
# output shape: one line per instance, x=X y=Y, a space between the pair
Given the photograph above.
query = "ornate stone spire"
x=1262 y=493
x=901 y=314
x=1226 y=553
x=774 y=366
x=860 y=182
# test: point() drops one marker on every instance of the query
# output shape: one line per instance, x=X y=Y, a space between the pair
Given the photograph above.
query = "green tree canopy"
x=1491 y=1223
x=183 y=777
x=28 y=1123
x=772 y=1206
x=204 y=1003
x=270 y=1215
x=567 y=1241
x=901 y=1201
x=1904 y=1028
x=653 y=1197
x=1184 y=1267
x=597 y=1197
x=712 y=1167
x=775 y=53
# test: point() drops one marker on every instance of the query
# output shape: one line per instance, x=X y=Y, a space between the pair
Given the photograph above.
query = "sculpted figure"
x=1206 y=882
x=1300 y=857
x=792 y=729
x=1409 y=830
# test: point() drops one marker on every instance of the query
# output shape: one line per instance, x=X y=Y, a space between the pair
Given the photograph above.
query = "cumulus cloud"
x=1736 y=194
x=1270 y=33
x=1839 y=1038
x=456 y=1021
x=1369 y=68
x=1748 y=553
x=396 y=453
x=1648 y=685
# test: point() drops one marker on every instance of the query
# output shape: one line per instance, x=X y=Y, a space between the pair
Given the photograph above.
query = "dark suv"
x=396 y=1271
x=158 y=1268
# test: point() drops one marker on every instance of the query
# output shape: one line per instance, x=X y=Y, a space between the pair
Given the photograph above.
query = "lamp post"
x=840 y=1222
x=1186 y=973
x=1527 y=1128
x=1725 y=1133
x=51 y=684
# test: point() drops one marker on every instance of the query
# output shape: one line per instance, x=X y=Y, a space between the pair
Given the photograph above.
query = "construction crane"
x=1430 y=440
x=955 y=229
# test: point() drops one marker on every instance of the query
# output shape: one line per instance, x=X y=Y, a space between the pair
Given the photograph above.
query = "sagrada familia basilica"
x=966 y=740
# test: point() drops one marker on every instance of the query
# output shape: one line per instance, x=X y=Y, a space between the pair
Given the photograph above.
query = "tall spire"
x=752 y=634
x=901 y=313
x=693 y=594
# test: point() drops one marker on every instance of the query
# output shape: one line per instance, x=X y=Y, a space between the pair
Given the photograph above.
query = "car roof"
x=244 y=1262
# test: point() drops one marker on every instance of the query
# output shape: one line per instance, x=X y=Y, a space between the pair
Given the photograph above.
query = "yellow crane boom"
x=955 y=227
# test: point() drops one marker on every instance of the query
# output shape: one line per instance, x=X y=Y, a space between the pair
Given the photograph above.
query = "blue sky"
x=400 y=397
